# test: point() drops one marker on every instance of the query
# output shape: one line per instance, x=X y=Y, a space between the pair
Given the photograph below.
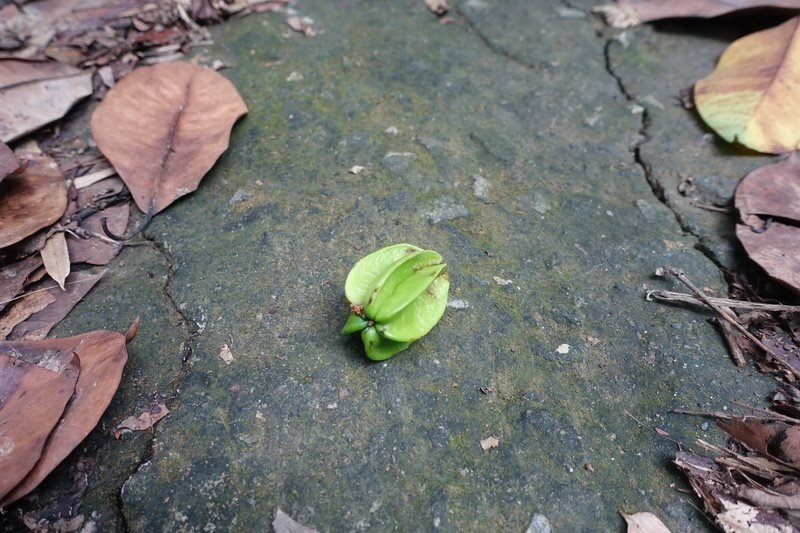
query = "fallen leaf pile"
x=53 y=394
x=754 y=483
x=68 y=204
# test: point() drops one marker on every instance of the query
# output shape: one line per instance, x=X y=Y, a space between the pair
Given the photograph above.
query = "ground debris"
x=489 y=442
x=283 y=523
x=144 y=421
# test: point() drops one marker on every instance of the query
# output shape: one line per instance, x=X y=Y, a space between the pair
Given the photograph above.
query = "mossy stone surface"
x=515 y=94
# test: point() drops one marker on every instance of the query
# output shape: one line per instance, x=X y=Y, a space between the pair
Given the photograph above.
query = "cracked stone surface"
x=540 y=103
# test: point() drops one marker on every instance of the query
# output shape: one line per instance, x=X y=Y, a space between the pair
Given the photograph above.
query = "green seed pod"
x=396 y=296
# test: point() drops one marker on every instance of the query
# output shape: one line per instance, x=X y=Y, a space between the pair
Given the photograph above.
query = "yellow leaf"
x=753 y=96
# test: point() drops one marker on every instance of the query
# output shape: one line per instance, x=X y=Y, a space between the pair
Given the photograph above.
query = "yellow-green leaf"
x=753 y=96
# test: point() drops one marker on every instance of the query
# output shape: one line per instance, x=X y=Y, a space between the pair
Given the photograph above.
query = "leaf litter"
x=63 y=208
x=145 y=420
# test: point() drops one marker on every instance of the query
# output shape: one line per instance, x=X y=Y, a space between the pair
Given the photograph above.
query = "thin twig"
x=21 y=296
x=777 y=416
x=670 y=296
x=726 y=314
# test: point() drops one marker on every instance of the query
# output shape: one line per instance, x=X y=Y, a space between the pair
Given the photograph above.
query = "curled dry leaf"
x=38 y=325
x=627 y=13
x=753 y=95
x=767 y=192
x=31 y=200
x=33 y=399
x=102 y=356
x=144 y=421
x=55 y=256
x=163 y=127
x=35 y=93
x=644 y=523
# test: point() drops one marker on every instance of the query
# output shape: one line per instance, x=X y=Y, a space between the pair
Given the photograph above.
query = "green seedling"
x=396 y=296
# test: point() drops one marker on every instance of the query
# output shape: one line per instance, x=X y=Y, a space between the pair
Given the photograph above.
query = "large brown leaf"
x=627 y=13
x=35 y=93
x=772 y=191
x=163 y=128
x=31 y=200
x=102 y=356
x=32 y=399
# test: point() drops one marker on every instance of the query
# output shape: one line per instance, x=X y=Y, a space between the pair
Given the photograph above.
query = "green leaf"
x=408 y=291
x=379 y=348
x=354 y=324
x=419 y=317
x=393 y=285
x=363 y=276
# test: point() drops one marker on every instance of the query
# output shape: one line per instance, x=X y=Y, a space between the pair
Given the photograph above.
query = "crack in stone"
x=490 y=45
x=644 y=136
x=191 y=332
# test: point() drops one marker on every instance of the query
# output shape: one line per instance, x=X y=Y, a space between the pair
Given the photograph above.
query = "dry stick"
x=778 y=416
x=730 y=339
x=725 y=314
x=670 y=296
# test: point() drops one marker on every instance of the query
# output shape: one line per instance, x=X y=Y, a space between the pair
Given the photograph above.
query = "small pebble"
x=704 y=426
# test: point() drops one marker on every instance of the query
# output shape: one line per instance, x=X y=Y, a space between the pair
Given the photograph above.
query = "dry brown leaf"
x=102 y=356
x=163 y=128
x=756 y=434
x=753 y=95
x=644 y=523
x=31 y=200
x=94 y=250
x=39 y=324
x=772 y=191
x=439 y=7
x=14 y=277
x=144 y=421
x=23 y=309
x=8 y=161
x=33 y=400
x=55 y=256
x=35 y=93
x=283 y=523
x=627 y=13
x=489 y=442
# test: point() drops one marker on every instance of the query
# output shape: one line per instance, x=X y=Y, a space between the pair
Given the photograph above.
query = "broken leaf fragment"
x=628 y=13
x=753 y=95
x=644 y=522
x=396 y=295
x=145 y=420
